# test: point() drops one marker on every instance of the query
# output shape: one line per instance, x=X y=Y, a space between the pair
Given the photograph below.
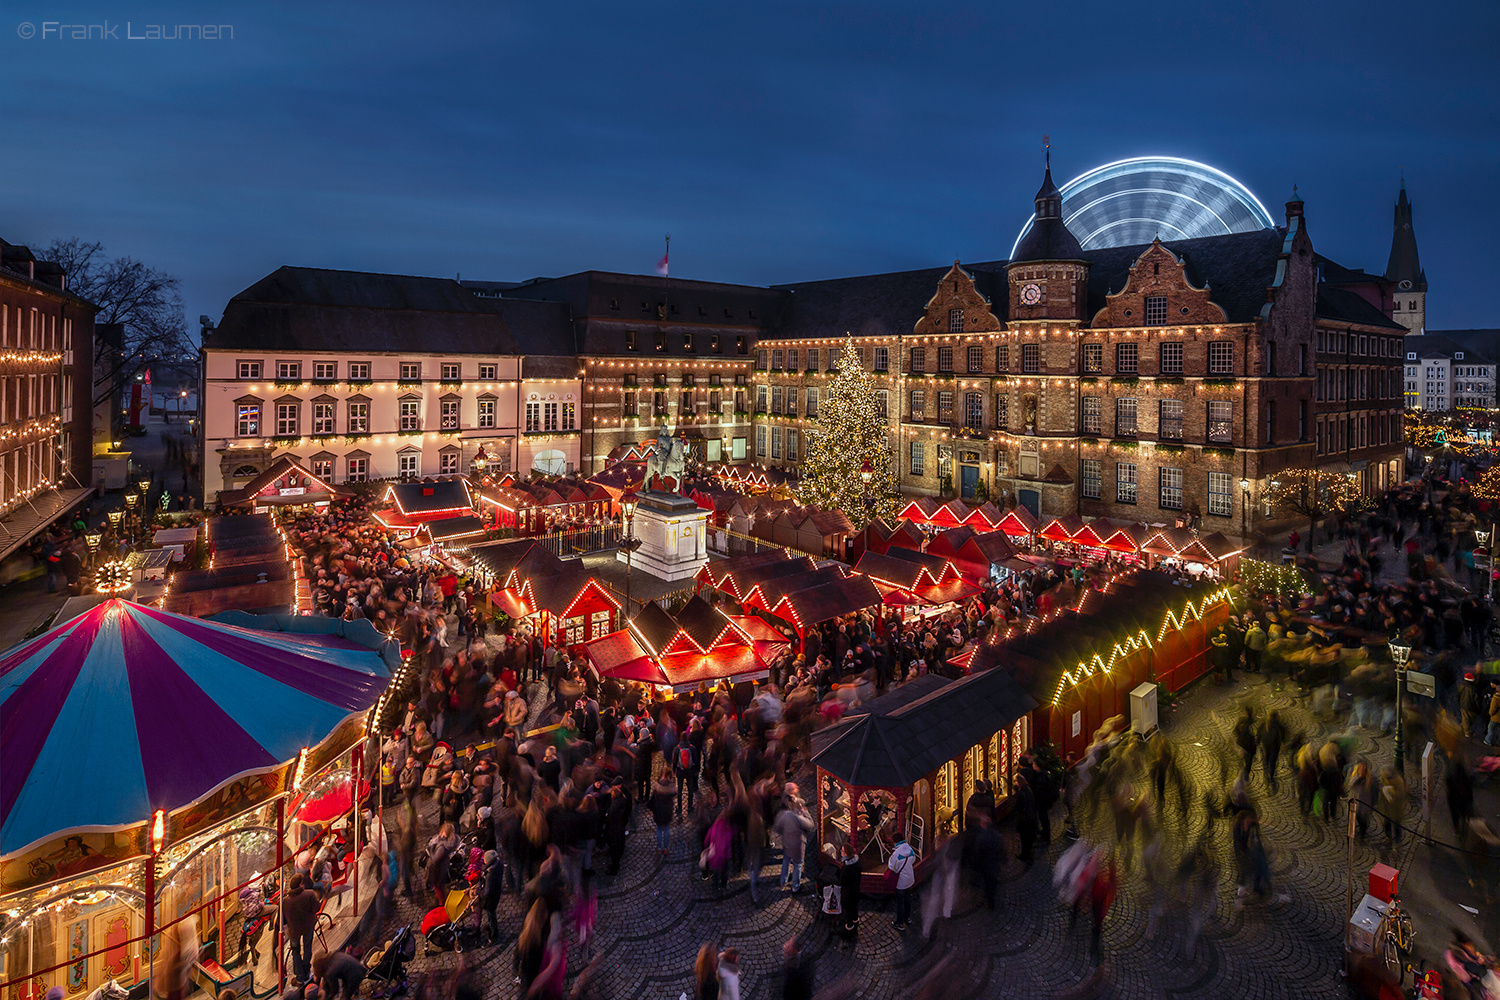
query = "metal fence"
x=581 y=541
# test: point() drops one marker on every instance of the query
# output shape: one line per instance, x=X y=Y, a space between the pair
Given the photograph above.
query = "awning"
x=27 y=521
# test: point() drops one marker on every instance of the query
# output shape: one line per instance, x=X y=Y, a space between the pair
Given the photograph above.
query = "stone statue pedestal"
x=674 y=542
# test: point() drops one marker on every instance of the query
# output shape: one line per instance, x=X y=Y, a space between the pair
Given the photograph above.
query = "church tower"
x=1405 y=271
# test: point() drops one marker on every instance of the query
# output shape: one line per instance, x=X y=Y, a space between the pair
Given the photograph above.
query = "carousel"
x=161 y=773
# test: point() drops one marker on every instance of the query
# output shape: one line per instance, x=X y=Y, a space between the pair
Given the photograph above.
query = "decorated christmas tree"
x=851 y=440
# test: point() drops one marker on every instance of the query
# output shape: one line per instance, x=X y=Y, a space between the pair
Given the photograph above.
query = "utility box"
x=1383 y=882
x=1143 y=709
x=1363 y=925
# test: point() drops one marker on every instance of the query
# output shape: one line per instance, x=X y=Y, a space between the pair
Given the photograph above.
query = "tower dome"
x=1047 y=236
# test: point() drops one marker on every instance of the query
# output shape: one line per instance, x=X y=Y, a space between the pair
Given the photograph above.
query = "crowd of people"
x=515 y=772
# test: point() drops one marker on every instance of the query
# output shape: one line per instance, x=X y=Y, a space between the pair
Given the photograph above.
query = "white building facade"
x=1442 y=375
x=442 y=383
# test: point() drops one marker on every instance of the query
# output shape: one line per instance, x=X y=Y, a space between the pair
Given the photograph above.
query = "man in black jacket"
x=300 y=912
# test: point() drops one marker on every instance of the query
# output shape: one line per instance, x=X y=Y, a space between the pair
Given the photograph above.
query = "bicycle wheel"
x=1391 y=952
x=1406 y=935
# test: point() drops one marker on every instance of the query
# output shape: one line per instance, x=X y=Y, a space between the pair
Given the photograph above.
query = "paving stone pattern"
x=656 y=913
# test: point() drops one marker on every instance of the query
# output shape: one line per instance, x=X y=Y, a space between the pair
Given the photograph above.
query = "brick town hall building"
x=1169 y=380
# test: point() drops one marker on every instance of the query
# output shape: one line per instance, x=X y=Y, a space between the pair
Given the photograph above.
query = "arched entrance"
x=550 y=463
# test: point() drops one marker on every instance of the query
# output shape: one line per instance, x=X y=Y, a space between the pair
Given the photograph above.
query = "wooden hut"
x=903 y=765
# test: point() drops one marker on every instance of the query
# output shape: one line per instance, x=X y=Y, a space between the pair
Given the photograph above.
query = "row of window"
x=690 y=342
x=32 y=330
x=25 y=468
x=1347 y=433
x=1351 y=383
x=540 y=416
x=1219 y=418
x=1127 y=358
x=635 y=402
x=359 y=371
x=25 y=397
x=1168 y=486
x=1358 y=344
x=783 y=442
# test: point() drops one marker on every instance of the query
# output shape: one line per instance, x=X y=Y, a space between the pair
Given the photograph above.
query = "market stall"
x=1082 y=662
x=527 y=582
x=904 y=766
x=675 y=654
x=287 y=483
x=199 y=743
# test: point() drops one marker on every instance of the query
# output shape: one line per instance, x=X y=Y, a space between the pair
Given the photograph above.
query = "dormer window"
x=1458 y=355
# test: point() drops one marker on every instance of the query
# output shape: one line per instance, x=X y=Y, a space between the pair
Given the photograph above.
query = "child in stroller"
x=386 y=966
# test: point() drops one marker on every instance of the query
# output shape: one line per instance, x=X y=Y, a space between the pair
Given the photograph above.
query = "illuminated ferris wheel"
x=1133 y=201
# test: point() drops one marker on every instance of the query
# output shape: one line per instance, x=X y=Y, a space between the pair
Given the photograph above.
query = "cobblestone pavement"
x=655 y=914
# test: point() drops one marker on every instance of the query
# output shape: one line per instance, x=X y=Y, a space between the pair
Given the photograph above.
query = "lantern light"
x=158 y=831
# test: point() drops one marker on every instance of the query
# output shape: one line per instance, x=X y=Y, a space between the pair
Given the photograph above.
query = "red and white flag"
x=661 y=265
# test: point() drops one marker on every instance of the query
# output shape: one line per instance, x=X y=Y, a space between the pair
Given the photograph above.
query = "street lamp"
x=131 y=499
x=481 y=460
x=1244 y=507
x=867 y=473
x=1400 y=653
x=145 y=485
x=114 y=518
x=629 y=543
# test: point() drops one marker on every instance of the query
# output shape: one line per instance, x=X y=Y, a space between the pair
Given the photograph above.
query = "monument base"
x=673 y=535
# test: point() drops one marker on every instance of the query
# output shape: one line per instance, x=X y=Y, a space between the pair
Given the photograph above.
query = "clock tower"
x=1048 y=276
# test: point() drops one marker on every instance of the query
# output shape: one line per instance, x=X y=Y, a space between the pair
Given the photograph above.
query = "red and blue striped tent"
x=135 y=710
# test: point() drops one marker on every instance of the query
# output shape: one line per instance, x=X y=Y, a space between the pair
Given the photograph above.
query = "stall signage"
x=293 y=491
x=1420 y=683
x=1077 y=722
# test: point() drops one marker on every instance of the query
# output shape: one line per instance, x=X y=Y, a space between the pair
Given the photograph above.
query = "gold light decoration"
x=1314 y=493
x=112 y=578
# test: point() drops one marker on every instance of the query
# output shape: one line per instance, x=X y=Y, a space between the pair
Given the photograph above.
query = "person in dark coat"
x=492 y=888
x=339 y=975
x=300 y=914
x=800 y=977
x=616 y=820
x=849 y=893
x=1026 y=821
x=1272 y=735
x=989 y=858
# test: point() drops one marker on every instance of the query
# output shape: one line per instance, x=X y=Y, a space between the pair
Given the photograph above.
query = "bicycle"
x=1395 y=938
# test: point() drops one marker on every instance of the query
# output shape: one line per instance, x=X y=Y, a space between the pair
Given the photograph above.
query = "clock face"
x=1031 y=293
x=1405 y=284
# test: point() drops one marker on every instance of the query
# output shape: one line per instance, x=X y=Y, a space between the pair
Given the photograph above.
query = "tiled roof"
x=1345 y=306
x=315 y=309
x=899 y=742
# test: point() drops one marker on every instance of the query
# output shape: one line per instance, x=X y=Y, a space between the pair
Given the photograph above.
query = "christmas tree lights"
x=850 y=433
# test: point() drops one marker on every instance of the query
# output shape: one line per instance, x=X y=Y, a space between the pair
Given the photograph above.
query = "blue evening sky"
x=775 y=141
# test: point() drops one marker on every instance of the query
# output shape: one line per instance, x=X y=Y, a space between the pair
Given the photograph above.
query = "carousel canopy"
x=137 y=710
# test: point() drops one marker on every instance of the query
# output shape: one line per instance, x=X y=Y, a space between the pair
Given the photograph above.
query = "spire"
x=1405 y=268
x=1048 y=238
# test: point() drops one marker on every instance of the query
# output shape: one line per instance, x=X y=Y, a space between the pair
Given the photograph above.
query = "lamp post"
x=1400 y=653
x=145 y=485
x=629 y=543
x=1244 y=508
x=867 y=473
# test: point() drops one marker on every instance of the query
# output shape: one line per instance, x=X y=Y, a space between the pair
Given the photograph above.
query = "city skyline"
x=774 y=148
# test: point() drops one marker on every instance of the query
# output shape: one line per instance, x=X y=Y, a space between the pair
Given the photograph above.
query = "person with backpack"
x=902 y=867
x=663 y=795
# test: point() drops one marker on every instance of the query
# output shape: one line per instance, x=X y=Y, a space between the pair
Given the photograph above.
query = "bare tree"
x=144 y=301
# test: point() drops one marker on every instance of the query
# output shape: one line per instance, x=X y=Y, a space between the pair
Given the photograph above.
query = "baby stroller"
x=443 y=926
x=386 y=967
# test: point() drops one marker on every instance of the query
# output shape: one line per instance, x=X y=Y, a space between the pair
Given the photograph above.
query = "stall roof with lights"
x=153 y=711
x=285 y=483
x=432 y=500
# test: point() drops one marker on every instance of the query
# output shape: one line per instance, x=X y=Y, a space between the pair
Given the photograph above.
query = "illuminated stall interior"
x=210 y=753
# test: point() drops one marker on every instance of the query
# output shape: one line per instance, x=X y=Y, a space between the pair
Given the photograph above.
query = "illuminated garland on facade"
x=1141 y=640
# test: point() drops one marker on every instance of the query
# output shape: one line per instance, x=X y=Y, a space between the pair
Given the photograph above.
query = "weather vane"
x=1047 y=145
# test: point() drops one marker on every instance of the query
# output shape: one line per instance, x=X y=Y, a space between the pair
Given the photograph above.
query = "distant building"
x=1443 y=374
x=47 y=350
x=1405 y=273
